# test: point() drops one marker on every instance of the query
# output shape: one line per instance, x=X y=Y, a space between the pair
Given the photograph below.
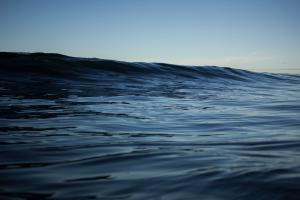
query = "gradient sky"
x=261 y=35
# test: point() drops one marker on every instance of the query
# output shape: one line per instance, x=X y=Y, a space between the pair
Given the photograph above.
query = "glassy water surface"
x=75 y=128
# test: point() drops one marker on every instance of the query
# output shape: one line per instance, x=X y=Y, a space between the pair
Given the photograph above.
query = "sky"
x=259 y=35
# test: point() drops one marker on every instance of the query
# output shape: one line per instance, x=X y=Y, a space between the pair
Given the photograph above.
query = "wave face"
x=77 y=128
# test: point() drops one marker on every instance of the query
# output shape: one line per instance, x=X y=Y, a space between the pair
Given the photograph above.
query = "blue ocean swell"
x=89 y=128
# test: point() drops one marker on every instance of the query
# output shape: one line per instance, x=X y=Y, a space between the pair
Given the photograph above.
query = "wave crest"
x=51 y=64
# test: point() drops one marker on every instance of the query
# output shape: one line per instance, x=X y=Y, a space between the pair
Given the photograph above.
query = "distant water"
x=74 y=128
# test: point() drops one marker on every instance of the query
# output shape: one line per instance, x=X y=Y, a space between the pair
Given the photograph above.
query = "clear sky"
x=261 y=35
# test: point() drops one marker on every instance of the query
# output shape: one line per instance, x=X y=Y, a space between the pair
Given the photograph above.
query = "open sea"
x=77 y=128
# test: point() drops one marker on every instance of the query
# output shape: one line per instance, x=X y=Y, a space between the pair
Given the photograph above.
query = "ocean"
x=83 y=128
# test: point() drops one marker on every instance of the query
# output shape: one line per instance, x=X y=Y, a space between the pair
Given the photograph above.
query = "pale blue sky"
x=261 y=35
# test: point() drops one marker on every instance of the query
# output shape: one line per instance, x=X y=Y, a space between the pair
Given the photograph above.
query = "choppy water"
x=75 y=128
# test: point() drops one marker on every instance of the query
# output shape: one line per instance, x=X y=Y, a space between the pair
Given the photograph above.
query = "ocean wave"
x=84 y=128
x=57 y=65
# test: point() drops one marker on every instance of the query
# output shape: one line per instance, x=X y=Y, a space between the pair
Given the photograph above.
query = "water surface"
x=73 y=128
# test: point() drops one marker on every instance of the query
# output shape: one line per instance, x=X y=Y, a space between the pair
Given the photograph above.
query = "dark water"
x=75 y=128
